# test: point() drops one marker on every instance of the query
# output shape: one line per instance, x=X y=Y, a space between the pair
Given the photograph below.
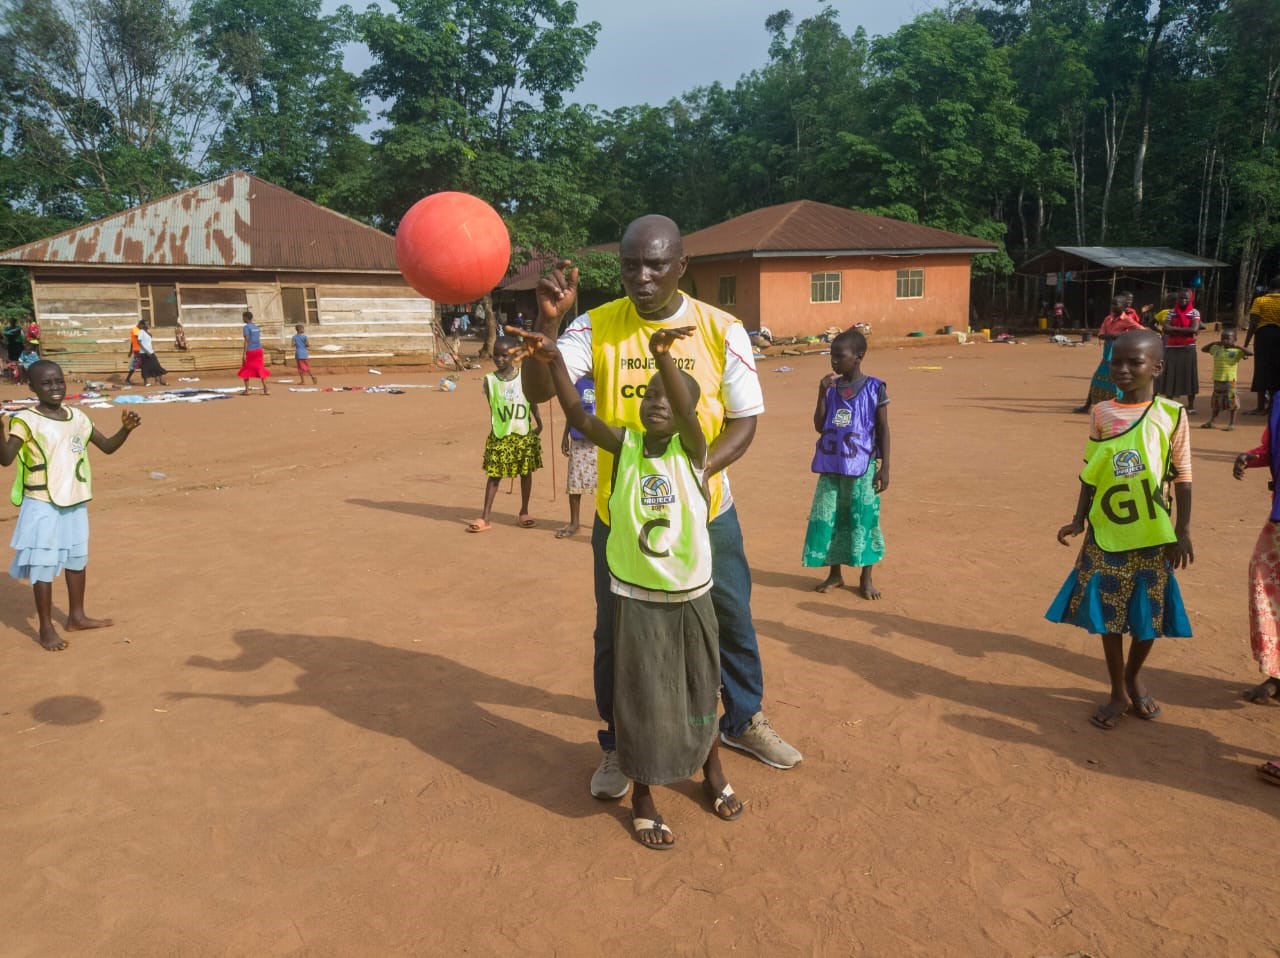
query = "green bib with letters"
x=1128 y=473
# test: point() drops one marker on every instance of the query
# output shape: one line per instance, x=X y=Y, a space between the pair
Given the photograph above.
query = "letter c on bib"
x=646 y=530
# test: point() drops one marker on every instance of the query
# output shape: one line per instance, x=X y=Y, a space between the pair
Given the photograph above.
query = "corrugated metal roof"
x=805 y=228
x=1122 y=257
x=236 y=222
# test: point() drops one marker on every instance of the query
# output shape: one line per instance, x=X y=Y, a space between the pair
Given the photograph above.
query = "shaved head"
x=653 y=227
x=1143 y=341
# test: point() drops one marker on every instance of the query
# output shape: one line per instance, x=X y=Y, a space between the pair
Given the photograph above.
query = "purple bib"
x=1273 y=447
x=848 y=441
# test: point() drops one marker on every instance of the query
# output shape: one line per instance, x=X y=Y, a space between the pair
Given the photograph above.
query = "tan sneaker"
x=608 y=780
x=760 y=739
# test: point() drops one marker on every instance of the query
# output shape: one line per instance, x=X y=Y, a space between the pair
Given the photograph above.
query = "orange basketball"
x=452 y=247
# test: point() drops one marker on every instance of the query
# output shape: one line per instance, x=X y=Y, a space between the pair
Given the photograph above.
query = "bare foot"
x=1270 y=689
x=84 y=624
x=51 y=640
x=865 y=586
x=833 y=581
x=568 y=531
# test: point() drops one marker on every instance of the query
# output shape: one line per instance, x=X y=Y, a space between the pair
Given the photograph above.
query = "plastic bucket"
x=947 y=330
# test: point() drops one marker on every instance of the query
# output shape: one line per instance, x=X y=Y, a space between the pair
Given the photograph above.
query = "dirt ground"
x=329 y=722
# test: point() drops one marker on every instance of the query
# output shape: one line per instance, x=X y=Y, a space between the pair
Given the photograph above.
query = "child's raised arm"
x=678 y=395
x=543 y=348
x=129 y=421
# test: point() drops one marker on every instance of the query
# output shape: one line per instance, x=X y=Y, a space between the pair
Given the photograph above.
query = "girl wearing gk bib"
x=1123 y=579
x=514 y=446
x=51 y=445
x=666 y=661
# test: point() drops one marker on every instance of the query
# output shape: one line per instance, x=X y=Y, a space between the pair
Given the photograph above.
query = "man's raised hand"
x=556 y=293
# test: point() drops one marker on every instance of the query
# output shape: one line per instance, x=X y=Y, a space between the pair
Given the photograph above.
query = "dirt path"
x=329 y=722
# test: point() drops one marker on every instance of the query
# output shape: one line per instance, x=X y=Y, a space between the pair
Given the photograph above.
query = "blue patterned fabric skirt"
x=49 y=539
x=1119 y=592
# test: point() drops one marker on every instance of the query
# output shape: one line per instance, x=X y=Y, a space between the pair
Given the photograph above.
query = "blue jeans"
x=730 y=594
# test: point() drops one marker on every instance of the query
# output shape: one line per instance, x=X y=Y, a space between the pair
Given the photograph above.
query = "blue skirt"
x=1119 y=592
x=49 y=539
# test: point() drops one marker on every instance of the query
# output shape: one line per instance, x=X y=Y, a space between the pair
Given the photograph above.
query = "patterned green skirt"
x=512 y=456
x=844 y=522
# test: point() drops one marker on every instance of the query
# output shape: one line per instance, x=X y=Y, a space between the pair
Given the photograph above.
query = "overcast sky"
x=648 y=51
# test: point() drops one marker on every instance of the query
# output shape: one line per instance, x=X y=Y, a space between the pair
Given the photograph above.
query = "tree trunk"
x=1250 y=259
x=490 y=327
x=1144 y=106
x=1112 y=133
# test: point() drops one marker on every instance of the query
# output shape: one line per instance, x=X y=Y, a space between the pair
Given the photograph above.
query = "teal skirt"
x=1118 y=592
x=844 y=522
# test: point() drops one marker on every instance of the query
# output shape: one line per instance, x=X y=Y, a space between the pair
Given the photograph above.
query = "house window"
x=158 y=305
x=728 y=290
x=910 y=284
x=299 y=304
x=824 y=287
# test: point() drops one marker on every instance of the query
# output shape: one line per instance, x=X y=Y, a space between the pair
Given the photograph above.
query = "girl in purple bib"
x=852 y=462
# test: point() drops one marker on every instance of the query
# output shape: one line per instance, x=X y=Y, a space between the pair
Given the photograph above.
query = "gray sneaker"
x=759 y=739
x=608 y=780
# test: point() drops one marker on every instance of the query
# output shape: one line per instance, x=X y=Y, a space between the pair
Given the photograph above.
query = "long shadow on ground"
x=432 y=702
x=1155 y=752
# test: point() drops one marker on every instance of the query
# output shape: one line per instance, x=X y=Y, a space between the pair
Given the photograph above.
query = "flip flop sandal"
x=639 y=825
x=1146 y=708
x=479 y=526
x=720 y=801
x=526 y=522
x=1269 y=772
x=1104 y=720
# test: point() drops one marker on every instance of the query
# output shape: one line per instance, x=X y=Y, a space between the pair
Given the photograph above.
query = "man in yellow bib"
x=610 y=344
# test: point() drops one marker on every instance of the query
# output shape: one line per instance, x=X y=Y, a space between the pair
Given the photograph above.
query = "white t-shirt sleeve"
x=575 y=347
x=740 y=391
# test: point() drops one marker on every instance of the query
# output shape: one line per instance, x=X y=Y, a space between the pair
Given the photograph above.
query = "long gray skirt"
x=666 y=684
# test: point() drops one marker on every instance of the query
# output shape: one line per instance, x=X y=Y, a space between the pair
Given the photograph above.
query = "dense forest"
x=1032 y=123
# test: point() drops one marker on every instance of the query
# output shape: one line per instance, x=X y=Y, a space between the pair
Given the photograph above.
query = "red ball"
x=452 y=247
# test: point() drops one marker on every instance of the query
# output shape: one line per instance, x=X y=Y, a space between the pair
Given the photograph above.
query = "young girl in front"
x=852 y=420
x=50 y=442
x=514 y=446
x=666 y=654
x=1123 y=579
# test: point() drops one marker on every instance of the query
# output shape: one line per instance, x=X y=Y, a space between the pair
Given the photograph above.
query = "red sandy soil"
x=330 y=722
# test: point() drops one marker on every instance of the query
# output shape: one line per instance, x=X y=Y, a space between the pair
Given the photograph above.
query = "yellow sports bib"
x=622 y=368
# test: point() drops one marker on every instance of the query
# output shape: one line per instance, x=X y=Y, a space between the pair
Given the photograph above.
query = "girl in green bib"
x=514 y=445
x=1123 y=579
x=666 y=654
x=50 y=443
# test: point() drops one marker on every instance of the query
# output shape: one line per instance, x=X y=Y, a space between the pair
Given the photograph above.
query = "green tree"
x=475 y=102
x=294 y=108
x=110 y=96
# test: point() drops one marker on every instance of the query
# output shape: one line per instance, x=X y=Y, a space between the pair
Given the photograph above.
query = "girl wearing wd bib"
x=514 y=446
x=666 y=653
x=852 y=420
x=1123 y=580
x=51 y=445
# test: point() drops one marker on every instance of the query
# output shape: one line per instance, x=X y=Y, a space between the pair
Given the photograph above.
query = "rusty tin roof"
x=807 y=228
x=236 y=222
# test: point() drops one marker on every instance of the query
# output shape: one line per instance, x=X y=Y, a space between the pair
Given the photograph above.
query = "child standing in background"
x=1226 y=362
x=582 y=459
x=51 y=445
x=852 y=420
x=514 y=446
x=302 y=353
x=1123 y=579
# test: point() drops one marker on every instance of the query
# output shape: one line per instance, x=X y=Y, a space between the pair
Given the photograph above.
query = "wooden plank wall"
x=358 y=320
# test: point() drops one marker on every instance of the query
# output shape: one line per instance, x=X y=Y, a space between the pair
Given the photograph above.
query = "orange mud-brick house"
x=800 y=268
